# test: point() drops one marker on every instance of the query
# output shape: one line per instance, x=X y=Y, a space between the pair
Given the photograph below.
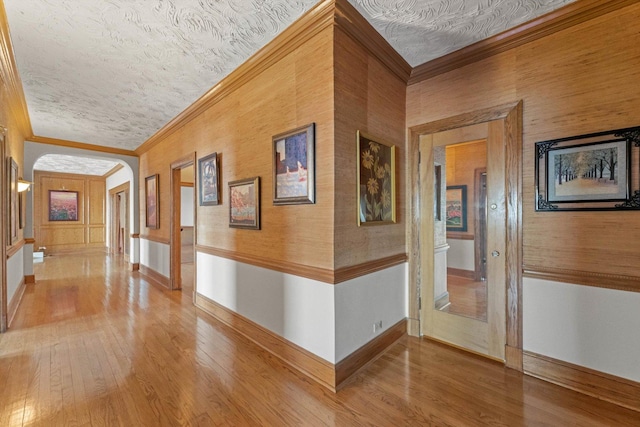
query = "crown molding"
x=11 y=78
x=81 y=145
x=294 y=36
x=349 y=20
x=550 y=23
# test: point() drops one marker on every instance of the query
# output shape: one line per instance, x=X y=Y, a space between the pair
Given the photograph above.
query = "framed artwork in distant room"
x=244 y=203
x=63 y=205
x=152 y=200
x=598 y=171
x=456 y=208
x=208 y=180
x=376 y=181
x=294 y=166
x=13 y=200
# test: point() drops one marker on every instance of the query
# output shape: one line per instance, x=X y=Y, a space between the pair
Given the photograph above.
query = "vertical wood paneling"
x=580 y=80
x=88 y=231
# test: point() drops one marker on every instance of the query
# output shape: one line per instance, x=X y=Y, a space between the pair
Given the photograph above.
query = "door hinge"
x=419 y=157
x=419 y=303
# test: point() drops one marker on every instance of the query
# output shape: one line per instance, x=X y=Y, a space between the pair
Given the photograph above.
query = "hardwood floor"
x=466 y=297
x=94 y=344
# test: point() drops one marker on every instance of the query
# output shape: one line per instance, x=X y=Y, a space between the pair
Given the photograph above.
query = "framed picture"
x=153 y=201
x=244 y=203
x=376 y=181
x=208 y=180
x=437 y=193
x=598 y=171
x=63 y=205
x=13 y=201
x=294 y=166
x=456 y=208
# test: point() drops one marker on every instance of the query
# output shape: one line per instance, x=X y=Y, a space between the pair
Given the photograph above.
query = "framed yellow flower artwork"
x=376 y=181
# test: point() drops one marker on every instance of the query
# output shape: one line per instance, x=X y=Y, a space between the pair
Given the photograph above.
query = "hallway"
x=93 y=344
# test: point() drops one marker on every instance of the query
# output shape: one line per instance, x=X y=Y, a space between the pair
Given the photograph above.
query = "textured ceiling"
x=74 y=164
x=113 y=72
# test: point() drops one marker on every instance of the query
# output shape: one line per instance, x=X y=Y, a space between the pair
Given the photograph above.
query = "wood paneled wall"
x=293 y=91
x=583 y=79
x=368 y=97
x=89 y=231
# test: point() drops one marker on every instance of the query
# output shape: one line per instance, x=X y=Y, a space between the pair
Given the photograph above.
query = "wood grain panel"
x=97 y=202
x=97 y=234
x=295 y=356
x=599 y=280
x=598 y=384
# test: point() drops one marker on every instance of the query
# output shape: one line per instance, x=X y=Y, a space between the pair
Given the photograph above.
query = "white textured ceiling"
x=113 y=72
x=74 y=164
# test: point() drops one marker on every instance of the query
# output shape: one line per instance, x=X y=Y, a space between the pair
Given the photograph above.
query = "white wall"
x=592 y=327
x=186 y=206
x=15 y=273
x=461 y=254
x=380 y=296
x=330 y=321
x=155 y=256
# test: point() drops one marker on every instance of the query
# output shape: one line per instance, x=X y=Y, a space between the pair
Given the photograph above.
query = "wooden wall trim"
x=314 y=273
x=29 y=241
x=576 y=277
x=349 y=20
x=15 y=302
x=10 y=76
x=15 y=248
x=610 y=388
x=120 y=188
x=369 y=352
x=30 y=279
x=347 y=273
x=460 y=236
x=294 y=36
x=135 y=235
x=162 y=240
x=134 y=266
x=154 y=276
x=293 y=355
x=82 y=146
x=553 y=22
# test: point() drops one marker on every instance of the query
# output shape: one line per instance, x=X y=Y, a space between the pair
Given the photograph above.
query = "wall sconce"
x=23 y=185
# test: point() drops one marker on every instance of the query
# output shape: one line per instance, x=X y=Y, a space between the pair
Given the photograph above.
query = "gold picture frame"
x=376 y=181
x=152 y=201
x=13 y=200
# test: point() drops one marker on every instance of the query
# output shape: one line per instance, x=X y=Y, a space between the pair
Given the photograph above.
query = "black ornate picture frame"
x=597 y=172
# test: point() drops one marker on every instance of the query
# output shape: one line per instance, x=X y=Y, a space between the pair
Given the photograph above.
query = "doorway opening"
x=119 y=221
x=182 y=223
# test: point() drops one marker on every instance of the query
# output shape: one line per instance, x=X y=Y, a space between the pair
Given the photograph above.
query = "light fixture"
x=23 y=185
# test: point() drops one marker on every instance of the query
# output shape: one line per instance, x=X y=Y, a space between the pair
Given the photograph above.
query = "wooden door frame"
x=175 y=269
x=512 y=115
x=126 y=188
x=4 y=205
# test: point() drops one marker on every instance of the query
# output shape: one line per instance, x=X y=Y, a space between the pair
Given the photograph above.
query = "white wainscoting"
x=330 y=321
x=15 y=273
x=155 y=256
x=461 y=254
x=593 y=327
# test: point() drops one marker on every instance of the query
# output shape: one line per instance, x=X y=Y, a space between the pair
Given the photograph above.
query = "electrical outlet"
x=377 y=326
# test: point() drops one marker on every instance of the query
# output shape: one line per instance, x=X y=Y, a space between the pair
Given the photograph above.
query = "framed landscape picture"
x=244 y=203
x=376 y=181
x=208 y=180
x=456 y=208
x=152 y=200
x=598 y=171
x=63 y=205
x=294 y=166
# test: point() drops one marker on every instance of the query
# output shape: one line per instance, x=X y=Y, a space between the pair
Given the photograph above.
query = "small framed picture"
x=456 y=208
x=294 y=166
x=13 y=200
x=63 y=205
x=376 y=181
x=208 y=180
x=588 y=172
x=244 y=203
x=152 y=200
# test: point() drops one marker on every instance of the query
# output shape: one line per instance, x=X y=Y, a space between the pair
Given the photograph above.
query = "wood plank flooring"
x=93 y=344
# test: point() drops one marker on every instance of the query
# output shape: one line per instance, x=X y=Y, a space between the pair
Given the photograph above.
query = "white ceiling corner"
x=114 y=72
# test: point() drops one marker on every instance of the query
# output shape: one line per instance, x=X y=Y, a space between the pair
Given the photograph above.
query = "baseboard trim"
x=467 y=274
x=365 y=355
x=12 y=308
x=154 y=276
x=29 y=279
x=603 y=386
x=316 y=368
x=442 y=301
x=513 y=358
x=134 y=266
